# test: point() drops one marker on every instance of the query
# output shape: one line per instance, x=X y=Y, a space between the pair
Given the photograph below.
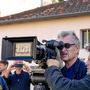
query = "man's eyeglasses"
x=66 y=45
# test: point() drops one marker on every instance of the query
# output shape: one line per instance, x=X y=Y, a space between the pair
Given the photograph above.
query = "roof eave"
x=38 y=18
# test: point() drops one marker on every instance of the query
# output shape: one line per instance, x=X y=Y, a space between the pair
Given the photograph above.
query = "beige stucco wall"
x=44 y=29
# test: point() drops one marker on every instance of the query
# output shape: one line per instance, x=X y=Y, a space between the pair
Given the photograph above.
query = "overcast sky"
x=8 y=7
x=13 y=6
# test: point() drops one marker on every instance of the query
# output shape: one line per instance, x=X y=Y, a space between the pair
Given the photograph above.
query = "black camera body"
x=47 y=50
x=18 y=65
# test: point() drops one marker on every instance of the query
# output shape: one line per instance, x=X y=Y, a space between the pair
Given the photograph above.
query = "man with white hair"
x=74 y=67
x=57 y=81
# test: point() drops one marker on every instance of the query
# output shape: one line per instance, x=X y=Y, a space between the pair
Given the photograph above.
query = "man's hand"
x=8 y=71
x=53 y=62
x=26 y=67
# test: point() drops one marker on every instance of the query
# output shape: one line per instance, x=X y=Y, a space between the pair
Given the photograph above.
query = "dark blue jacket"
x=76 y=71
x=57 y=81
x=19 y=82
x=3 y=85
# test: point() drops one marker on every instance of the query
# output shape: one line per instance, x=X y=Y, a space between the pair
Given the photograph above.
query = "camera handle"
x=38 y=80
x=40 y=86
x=58 y=57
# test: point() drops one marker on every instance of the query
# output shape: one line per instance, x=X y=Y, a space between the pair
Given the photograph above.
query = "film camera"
x=29 y=48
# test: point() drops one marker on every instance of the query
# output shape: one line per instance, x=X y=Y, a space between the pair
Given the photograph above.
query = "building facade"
x=47 y=21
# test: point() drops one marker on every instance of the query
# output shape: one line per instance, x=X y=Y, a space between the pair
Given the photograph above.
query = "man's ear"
x=78 y=49
x=5 y=66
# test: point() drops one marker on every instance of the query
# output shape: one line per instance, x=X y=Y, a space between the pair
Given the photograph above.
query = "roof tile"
x=63 y=8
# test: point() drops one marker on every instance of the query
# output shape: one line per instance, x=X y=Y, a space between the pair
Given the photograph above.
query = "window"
x=85 y=35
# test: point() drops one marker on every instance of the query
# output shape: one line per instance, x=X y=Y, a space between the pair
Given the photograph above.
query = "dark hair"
x=4 y=62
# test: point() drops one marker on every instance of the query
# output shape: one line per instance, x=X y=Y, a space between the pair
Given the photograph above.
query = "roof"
x=58 y=10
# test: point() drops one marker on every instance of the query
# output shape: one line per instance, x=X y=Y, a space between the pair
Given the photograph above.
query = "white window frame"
x=82 y=31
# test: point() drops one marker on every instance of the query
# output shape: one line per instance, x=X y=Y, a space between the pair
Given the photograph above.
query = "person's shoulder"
x=82 y=64
x=25 y=73
x=1 y=83
x=81 y=61
x=1 y=78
